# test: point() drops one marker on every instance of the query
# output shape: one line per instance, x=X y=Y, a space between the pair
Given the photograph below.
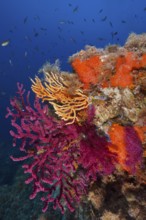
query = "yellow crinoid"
x=56 y=89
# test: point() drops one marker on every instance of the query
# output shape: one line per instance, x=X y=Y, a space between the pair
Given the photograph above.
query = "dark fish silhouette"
x=76 y=9
x=104 y=19
x=36 y=34
x=111 y=24
x=43 y=29
x=60 y=29
x=123 y=21
x=101 y=10
x=70 y=22
x=25 y=19
x=101 y=39
x=114 y=34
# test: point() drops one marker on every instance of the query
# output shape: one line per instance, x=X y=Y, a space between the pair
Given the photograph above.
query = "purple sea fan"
x=51 y=150
x=95 y=157
x=134 y=149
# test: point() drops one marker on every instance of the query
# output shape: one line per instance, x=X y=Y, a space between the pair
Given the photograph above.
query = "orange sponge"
x=126 y=144
x=88 y=70
x=116 y=133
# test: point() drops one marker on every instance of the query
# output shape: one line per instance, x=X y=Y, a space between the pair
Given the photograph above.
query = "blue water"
x=46 y=30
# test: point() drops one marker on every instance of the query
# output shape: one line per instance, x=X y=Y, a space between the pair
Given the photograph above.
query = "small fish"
x=104 y=19
x=61 y=22
x=10 y=62
x=93 y=20
x=144 y=9
x=70 y=22
x=115 y=33
x=85 y=19
x=43 y=29
x=25 y=19
x=40 y=151
x=59 y=28
x=101 y=39
x=101 y=10
x=123 y=21
x=101 y=97
x=5 y=43
x=111 y=24
x=36 y=34
x=76 y=9
x=69 y=4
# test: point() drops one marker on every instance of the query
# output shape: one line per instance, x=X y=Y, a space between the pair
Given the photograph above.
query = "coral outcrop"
x=84 y=127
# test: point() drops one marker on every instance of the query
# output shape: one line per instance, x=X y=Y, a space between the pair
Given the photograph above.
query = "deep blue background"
x=46 y=30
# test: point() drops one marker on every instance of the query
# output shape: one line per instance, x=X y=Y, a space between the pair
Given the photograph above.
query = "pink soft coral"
x=51 y=149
